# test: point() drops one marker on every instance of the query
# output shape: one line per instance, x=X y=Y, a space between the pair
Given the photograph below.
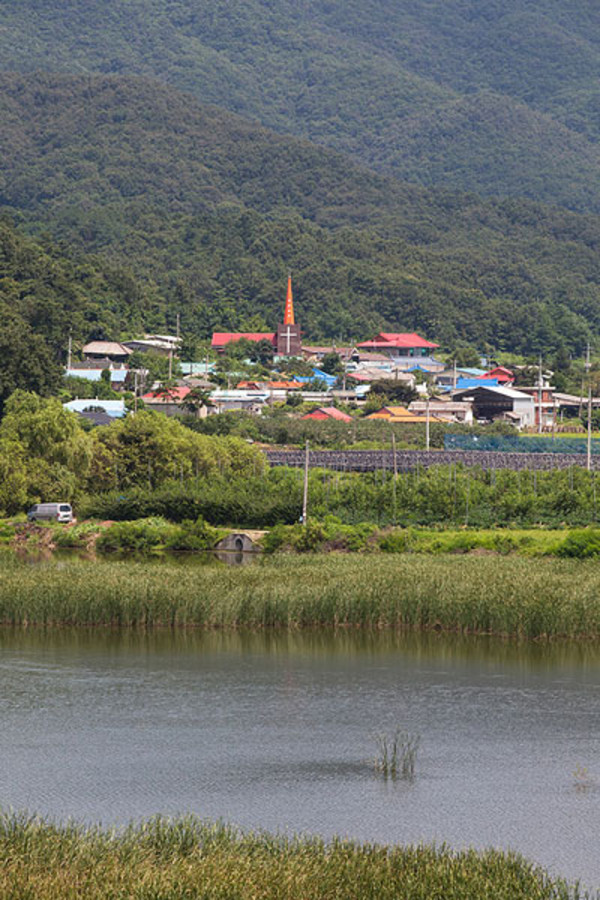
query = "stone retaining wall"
x=407 y=460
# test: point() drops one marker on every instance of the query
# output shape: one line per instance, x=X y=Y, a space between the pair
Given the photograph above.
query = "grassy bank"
x=155 y=536
x=333 y=535
x=186 y=858
x=501 y=595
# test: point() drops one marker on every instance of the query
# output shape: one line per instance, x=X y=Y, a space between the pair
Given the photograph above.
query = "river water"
x=276 y=732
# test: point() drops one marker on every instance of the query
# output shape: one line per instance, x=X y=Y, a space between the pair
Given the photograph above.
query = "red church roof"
x=398 y=339
x=220 y=339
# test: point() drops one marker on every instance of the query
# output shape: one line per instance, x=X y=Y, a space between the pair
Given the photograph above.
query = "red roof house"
x=328 y=412
x=168 y=395
x=399 y=344
x=501 y=374
x=167 y=401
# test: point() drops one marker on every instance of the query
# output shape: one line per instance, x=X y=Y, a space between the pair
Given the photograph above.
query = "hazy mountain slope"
x=215 y=210
x=539 y=158
x=66 y=141
x=369 y=77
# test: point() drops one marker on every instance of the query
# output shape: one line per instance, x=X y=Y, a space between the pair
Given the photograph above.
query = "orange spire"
x=288 y=318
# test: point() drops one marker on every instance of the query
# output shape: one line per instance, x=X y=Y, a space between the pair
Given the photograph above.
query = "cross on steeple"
x=288 y=334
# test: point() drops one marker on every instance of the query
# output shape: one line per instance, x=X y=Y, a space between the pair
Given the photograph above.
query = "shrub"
x=143 y=534
x=395 y=542
x=581 y=544
x=77 y=536
x=198 y=535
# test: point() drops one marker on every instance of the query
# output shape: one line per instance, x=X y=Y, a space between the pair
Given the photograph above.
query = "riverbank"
x=466 y=594
x=173 y=859
x=156 y=535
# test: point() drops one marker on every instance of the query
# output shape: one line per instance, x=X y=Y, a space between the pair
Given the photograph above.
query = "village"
x=393 y=377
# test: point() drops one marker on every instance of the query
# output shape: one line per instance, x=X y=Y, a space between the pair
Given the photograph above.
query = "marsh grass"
x=173 y=859
x=397 y=754
x=465 y=594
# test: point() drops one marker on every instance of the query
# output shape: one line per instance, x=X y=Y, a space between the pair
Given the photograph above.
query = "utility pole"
x=454 y=375
x=135 y=391
x=427 y=421
x=178 y=326
x=170 y=363
x=589 y=411
x=69 y=349
x=540 y=395
x=305 y=493
x=395 y=475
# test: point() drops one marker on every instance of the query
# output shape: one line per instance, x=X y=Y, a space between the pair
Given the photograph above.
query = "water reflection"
x=489 y=651
x=276 y=730
x=45 y=556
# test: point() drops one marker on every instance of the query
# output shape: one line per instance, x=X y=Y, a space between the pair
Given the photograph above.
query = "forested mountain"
x=55 y=292
x=494 y=96
x=210 y=211
x=47 y=294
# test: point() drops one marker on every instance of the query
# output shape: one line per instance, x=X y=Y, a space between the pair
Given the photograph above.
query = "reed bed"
x=169 y=860
x=486 y=595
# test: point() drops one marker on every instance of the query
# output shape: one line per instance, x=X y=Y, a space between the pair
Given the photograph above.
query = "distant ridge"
x=494 y=97
x=209 y=212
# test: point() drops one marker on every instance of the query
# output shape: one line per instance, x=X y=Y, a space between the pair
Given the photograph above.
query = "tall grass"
x=397 y=754
x=496 y=595
x=186 y=858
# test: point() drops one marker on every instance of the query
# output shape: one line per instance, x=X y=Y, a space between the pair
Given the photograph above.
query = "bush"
x=581 y=544
x=278 y=538
x=7 y=532
x=329 y=534
x=77 y=536
x=395 y=542
x=143 y=534
x=198 y=535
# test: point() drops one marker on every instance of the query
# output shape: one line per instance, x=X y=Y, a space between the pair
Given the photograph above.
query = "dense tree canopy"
x=26 y=361
x=46 y=454
x=496 y=97
x=208 y=225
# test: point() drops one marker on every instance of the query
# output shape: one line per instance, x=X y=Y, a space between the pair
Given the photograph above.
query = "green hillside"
x=48 y=293
x=56 y=292
x=484 y=95
x=209 y=212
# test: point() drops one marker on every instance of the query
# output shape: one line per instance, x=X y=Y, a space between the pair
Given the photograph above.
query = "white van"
x=44 y=512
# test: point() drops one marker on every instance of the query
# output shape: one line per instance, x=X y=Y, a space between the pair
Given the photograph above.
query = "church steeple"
x=288 y=341
x=288 y=318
